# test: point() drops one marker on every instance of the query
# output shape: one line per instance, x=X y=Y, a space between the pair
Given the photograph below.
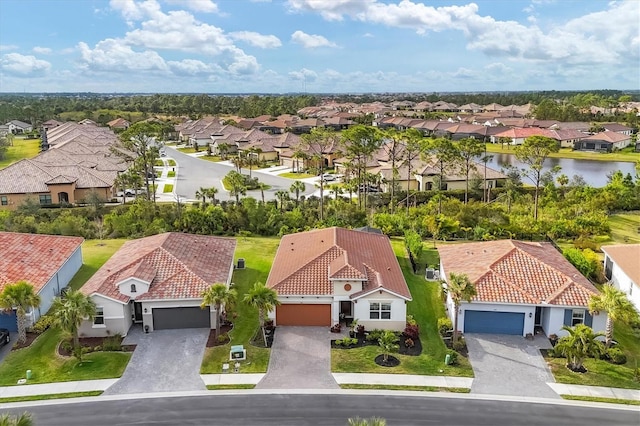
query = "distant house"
x=622 y=268
x=18 y=127
x=522 y=287
x=48 y=262
x=603 y=142
x=50 y=124
x=157 y=282
x=119 y=124
x=618 y=128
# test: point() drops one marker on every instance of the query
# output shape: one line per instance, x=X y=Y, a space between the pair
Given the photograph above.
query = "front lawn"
x=212 y=158
x=259 y=253
x=426 y=307
x=171 y=174
x=290 y=175
x=168 y=187
x=600 y=373
x=48 y=367
x=94 y=254
x=624 y=228
x=21 y=149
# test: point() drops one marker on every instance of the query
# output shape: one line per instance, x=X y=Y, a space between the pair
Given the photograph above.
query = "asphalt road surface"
x=324 y=409
x=194 y=173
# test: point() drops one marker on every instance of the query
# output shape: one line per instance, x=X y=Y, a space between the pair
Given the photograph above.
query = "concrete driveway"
x=300 y=359
x=4 y=350
x=509 y=365
x=164 y=361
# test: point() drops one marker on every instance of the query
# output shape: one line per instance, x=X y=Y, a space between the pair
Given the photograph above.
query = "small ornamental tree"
x=388 y=342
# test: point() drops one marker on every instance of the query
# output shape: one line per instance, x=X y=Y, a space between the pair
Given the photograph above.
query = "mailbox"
x=237 y=353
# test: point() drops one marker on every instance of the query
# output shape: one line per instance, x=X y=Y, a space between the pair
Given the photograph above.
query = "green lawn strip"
x=599 y=399
x=629 y=342
x=187 y=150
x=212 y=158
x=626 y=155
x=406 y=388
x=48 y=367
x=168 y=187
x=21 y=149
x=94 y=254
x=426 y=307
x=599 y=373
x=171 y=163
x=49 y=396
x=158 y=163
x=259 y=253
x=290 y=175
x=624 y=228
x=171 y=174
x=229 y=387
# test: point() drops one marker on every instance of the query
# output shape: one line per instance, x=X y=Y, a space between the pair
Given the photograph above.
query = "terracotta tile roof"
x=179 y=266
x=306 y=261
x=35 y=258
x=627 y=257
x=518 y=272
x=608 y=136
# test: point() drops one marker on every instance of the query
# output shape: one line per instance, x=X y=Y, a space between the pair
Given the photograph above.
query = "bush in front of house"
x=444 y=326
x=616 y=356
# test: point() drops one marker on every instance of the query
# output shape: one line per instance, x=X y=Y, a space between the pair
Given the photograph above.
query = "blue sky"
x=279 y=46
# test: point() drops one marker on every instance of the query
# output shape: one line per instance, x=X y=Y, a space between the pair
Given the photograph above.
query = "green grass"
x=188 y=150
x=600 y=373
x=625 y=155
x=624 y=228
x=406 y=388
x=49 y=396
x=158 y=163
x=21 y=149
x=599 y=399
x=171 y=163
x=168 y=187
x=296 y=175
x=629 y=341
x=426 y=307
x=260 y=253
x=171 y=174
x=94 y=254
x=47 y=367
x=212 y=158
x=227 y=387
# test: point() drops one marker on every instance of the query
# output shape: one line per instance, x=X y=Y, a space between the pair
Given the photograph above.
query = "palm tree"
x=617 y=306
x=211 y=193
x=263 y=187
x=21 y=297
x=297 y=187
x=460 y=289
x=69 y=312
x=282 y=196
x=263 y=298
x=217 y=295
x=388 y=342
x=23 y=419
x=578 y=345
x=202 y=193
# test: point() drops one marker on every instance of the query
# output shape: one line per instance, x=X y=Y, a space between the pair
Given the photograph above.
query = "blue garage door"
x=9 y=320
x=493 y=322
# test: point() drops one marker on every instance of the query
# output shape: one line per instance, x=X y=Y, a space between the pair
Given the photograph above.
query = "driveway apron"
x=164 y=361
x=300 y=359
x=509 y=365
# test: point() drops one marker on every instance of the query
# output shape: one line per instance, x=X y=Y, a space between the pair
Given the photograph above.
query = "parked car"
x=327 y=177
x=5 y=336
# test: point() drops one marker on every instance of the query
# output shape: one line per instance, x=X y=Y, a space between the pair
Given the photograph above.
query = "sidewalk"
x=596 y=391
x=56 y=388
x=403 y=380
x=231 y=379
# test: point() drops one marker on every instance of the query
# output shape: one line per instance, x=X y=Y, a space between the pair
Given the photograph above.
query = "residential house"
x=48 y=262
x=618 y=128
x=622 y=269
x=157 y=282
x=522 y=288
x=330 y=275
x=603 y=142
x=18 y=127
x=119 y=124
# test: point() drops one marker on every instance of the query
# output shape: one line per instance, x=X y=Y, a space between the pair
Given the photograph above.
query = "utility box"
x=241 y=263
x=237 y=353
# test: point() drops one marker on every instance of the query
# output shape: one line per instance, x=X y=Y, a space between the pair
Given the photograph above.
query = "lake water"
x=594 y=172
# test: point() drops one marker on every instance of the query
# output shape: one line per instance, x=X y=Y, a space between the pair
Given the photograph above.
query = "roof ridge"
x=560 y=291
x=554 y=269
x=514 y=286
x=281 y=281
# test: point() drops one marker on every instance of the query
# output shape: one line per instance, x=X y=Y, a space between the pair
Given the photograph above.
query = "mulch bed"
x=392 y=361
x=224 y=330
x=30 y=338
x=91 y=342
x=464 y=351
x=403 y=349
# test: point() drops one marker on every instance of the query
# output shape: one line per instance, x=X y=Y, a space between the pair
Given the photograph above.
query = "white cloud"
x=5 y=47
x=206 y=6
x=24 y=65
x=42 y=50
x=191 y=67
x=116 y=56
x=333 y=10
x=257 y=39
x=368 y=35
x=304 y=75
x=310 y=41
x=135 y=11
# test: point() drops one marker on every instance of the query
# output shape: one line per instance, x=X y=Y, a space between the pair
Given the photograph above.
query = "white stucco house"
x=157 y=282
x=622 y=268
x=522 y=287
x=48 y=262
x=333 y=275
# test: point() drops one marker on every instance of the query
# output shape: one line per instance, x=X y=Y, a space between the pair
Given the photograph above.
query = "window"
x=4 y=200
x=98 y=319
x=133 y=288
x=380 y=310
x=45 y=199
x=577 y=317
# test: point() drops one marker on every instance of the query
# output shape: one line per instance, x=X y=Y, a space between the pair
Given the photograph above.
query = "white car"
x=327 y=177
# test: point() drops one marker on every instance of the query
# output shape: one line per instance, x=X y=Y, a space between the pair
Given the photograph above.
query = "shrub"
x=223 y=338
x=66 y=346
x=360 y=330
x=374 y=335
x=411 y=331
x=453 y=357
x=459 y=344
x=409 y=343
x=554 y=353
x=411 y=320
x=350 y=341
x=338 y=342
x=112 y=343
x=444 y=325
x=42 y=324
x=336 y=328
x=616 y=356
x=97 y=348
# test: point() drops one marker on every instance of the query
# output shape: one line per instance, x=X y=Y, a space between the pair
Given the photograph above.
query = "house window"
x=98 y=318
x=133 y=288
x=577 y=317
x=380 y=310
x=4 y=200
x=45 y=199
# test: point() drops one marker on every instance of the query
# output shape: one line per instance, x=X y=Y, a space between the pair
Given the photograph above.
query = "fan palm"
x=263 y=298
x=460 y=289
x=617 y=306
x=70 y=311
x=21 y=297
x=217 y=295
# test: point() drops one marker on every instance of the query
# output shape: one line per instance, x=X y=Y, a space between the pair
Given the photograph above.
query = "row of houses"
x=322 y=277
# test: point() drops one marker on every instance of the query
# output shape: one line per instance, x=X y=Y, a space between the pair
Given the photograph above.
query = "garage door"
x=493 y=322
x=167 y=318
x=8 y=320
x=303 y=315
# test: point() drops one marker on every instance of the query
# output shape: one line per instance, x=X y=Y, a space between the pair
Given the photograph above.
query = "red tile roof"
x=518 y=272
x=179 y=266
x=305 y=262
x=34 y=258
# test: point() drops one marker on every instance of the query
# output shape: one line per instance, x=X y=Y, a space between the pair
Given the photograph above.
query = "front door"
x=137 y=312
x=538 y=315
x=346 y=309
